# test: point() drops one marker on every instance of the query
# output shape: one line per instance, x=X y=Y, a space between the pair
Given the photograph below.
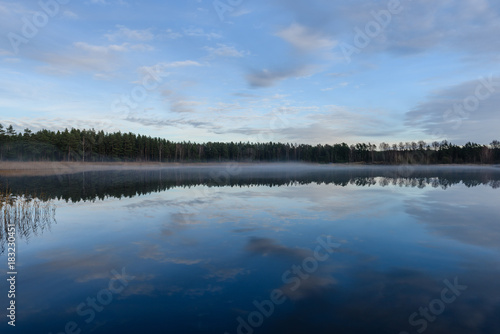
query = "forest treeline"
x=98 y=146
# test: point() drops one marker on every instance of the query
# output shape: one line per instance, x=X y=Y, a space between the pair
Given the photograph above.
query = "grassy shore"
x=19 y=168
x=60 y=167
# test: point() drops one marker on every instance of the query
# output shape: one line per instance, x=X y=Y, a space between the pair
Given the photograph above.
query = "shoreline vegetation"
x=60 y=150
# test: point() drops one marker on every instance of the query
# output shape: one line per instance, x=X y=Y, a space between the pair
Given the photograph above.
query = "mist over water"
x=261 y=249
x=129 y=181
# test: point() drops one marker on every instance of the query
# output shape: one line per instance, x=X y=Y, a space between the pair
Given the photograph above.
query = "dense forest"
x=98 y=146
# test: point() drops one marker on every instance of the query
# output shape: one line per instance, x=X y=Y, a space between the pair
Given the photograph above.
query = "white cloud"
x=161 y=69
x=180 y=104
x=199 y=32
x=3 y=9
x=420 y=26
x=240 y=12
x=170 y=34
x=142 y=47
x=4 y=52
x=12 y=60
x=55 y=70
x=182 y=63
x=223 y=50
x=123 y=32
x=305 y=39
x=100 y=49
x=103 y=76
x=85 y=57
x=342 y=84
x=464 y=112
x=70 y=15
x=268 y=78
x=327 y=124
x=105 y=2
x=59 y=123
x=12 y=8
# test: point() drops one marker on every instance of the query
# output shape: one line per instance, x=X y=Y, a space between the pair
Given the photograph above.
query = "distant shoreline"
x=65 y=167
x=33 y=168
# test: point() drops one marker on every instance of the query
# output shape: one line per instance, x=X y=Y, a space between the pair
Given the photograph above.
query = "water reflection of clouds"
x=66 y=271
x=138 y=290
x=468 y=215
x=160 y=202
x=198 y=292
x=315 y=281
x=276 y=209
x=79 y=267
x=149 y=251
x=245 y=229
x=269 y=247
x=333 y=203
x=252 y=213
x=196 y=252
x=377 y=300
x=224 y=274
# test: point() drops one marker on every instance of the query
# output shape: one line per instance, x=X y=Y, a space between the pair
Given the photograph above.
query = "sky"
x=292 y=71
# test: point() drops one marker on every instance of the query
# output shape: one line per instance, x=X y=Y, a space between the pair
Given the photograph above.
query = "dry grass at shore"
x=15 y=168
x=41 y=168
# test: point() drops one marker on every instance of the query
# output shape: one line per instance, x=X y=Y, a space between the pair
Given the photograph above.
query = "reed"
x=31 y=214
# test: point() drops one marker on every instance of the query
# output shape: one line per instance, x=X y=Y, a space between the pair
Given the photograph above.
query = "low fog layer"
x=231 y=168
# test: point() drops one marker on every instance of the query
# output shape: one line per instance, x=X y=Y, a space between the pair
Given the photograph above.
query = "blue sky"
x=239 y=70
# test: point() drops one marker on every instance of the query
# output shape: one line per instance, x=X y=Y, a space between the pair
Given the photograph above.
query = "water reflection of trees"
x=29 y=214
x=90 y=186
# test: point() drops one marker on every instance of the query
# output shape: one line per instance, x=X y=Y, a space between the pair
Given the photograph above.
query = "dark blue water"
x=259 y=250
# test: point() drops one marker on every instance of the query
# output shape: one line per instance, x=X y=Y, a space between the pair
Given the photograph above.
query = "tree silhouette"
x=92 y=146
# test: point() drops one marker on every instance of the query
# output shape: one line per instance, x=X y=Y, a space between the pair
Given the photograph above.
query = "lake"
x=256 y=249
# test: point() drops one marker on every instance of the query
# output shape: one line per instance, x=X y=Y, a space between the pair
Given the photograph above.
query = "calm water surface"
x=259 y=250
